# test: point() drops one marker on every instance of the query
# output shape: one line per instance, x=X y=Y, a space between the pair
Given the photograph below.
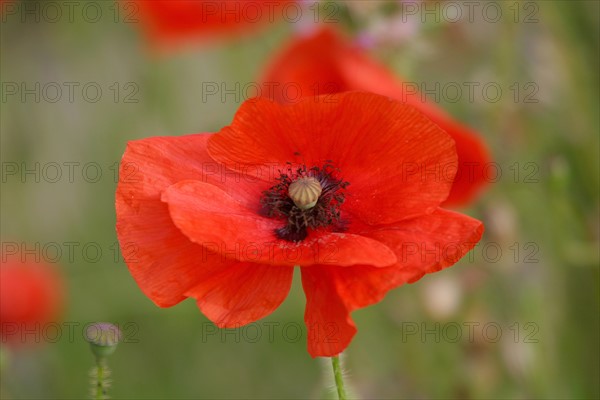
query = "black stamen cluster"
x=276 y=202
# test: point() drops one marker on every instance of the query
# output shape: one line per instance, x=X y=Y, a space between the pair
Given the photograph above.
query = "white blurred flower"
x=502 y=220
x=517 y=355
x=442 y=296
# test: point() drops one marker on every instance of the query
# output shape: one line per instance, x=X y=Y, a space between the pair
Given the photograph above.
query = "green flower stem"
x=100 y=393
x=100 y=381
x=339 y=379
x=103 y=338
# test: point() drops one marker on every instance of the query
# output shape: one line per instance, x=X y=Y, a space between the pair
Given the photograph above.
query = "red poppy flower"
x=346 y=187
x=168 y=22
x=326 y=63
x=31 y=295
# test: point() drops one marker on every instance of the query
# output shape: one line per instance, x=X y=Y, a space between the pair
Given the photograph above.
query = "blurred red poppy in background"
x=173 y=22
x=333 y=185
x=325 y=62
x=31 y=296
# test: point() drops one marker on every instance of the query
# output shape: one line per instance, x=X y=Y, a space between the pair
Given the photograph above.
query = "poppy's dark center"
x=305 y=199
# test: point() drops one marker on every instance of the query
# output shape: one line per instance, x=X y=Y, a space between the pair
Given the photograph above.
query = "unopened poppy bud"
x=305 y=192
x=103 y=338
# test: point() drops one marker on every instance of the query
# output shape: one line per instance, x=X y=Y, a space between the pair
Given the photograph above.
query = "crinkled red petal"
x=399 y=164
x=211 y=218
x=325 y=63
x=423 y=245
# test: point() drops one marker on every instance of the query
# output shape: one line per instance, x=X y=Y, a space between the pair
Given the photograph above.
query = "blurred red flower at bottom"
x=224 y=218
x=31 y=296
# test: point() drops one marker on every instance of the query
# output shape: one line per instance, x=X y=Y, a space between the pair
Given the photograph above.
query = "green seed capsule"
x=305 y=192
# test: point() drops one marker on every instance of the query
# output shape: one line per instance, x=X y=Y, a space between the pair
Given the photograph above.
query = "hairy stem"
x=339 y=380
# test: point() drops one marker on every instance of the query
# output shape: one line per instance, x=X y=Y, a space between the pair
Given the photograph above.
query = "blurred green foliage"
x=543 y=213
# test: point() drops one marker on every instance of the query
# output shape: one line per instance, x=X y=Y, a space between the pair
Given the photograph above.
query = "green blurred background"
x=542 y=290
